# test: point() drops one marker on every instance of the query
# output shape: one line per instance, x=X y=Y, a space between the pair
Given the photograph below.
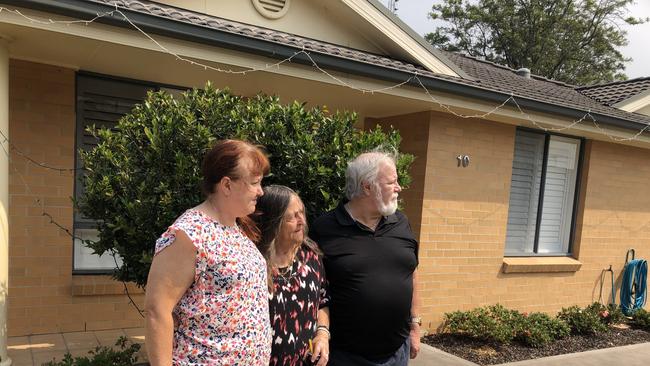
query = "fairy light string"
x=414 y=78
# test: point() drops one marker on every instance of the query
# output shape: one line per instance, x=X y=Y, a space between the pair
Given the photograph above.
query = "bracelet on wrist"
x=324 y=329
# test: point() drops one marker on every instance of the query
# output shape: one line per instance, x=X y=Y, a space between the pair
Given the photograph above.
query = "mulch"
x=486 y=353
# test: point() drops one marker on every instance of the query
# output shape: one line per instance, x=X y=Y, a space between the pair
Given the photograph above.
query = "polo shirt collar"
x=342 y=215
x=390 y=219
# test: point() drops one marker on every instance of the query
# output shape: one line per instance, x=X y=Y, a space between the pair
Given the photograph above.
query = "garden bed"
x=492 y=353
x=493 y=334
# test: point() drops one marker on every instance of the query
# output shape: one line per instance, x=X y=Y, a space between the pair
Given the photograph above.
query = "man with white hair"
x=370 y=256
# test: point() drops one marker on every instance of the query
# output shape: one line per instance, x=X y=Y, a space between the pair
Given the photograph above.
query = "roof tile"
x=487 y=75
x=612 y=93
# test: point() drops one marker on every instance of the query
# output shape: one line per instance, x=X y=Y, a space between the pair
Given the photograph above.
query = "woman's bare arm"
x=171 y=274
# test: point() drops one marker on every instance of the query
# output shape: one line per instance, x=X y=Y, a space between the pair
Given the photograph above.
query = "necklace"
x=286 y=273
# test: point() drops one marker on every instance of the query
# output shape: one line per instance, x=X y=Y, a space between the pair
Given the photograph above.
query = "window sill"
x=540 y=265
x=93 y=285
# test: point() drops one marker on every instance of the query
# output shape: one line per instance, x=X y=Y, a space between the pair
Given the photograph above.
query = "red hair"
x=225 y=160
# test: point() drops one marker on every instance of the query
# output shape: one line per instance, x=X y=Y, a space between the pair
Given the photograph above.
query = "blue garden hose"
x=634 y=286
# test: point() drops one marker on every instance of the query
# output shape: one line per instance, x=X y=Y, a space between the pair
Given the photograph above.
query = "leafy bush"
x=610 y=314
x=498 y=324
x=491 y=323
x=141 y=177
x=103 y=356
x=641 y=319
x=538 y=329
x=586 y=321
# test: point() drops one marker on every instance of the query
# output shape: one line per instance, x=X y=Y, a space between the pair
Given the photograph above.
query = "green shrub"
x=498 y=324
x=538 y=329
x=141 y=177
x=103 y=356
x=586 y=322
x=610 y=314
x=491 y=323
x=641 y=319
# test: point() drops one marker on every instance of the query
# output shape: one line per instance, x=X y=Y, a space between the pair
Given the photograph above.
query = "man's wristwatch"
x=416 y=320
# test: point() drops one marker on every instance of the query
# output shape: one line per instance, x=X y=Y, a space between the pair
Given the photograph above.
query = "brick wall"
x=465 y=211
x=464 y=217
x=414 y=130
x=459 y=214
x=616 y=214
x=41 y=285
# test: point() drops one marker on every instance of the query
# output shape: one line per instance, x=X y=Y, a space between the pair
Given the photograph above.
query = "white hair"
x=364 y=169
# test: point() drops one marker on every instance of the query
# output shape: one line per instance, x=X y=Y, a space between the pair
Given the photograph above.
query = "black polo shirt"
x=370 y=276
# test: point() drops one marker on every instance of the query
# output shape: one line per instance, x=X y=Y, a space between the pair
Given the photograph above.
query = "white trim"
x=4 y=197
x=634 y=103
x=378 y=20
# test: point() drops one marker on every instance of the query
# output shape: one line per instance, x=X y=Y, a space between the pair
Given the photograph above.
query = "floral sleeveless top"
x=224 y=315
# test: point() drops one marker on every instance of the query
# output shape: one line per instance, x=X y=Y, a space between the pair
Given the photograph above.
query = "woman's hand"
x=321 y=348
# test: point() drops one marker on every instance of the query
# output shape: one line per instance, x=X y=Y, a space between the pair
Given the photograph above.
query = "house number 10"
x=463 y=160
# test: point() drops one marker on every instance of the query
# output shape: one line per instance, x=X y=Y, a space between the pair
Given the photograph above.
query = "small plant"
x=586 y=322
x=610 y=314
x=491 y=323
x=641 y=319
x=538 y=329
x=103 y=356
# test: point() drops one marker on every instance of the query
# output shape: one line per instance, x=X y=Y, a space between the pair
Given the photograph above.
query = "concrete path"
x=34 y=350
x=435 y=357
x=632 y=355
x=37 y=349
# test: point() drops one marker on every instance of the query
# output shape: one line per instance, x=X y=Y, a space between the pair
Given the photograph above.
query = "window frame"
x=576 y=194
x=77 y=222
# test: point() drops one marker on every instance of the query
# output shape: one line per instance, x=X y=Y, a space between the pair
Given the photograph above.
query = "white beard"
x=385 y=209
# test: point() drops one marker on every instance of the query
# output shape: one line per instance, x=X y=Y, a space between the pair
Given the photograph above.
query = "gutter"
x=85 y=9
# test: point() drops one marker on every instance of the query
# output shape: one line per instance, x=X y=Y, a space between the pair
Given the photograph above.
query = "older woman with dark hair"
x=298 y=294
x=208 y=274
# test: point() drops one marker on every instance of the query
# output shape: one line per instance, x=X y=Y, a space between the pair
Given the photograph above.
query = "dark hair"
x=269 y=216
x=224 y=160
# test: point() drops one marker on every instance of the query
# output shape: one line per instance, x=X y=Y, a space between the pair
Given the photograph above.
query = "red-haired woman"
x=208 y=274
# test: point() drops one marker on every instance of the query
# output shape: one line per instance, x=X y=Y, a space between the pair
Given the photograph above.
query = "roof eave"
x=635 y=102
x=419 y=39
x=204 y=35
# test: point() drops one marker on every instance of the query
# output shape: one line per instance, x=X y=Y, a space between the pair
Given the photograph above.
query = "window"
x=543 y=194
x=101 y=101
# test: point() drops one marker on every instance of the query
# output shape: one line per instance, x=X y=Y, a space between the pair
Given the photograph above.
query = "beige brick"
x=464 y=215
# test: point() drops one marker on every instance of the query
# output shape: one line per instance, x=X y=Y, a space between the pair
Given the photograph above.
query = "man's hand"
x=415 y=340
